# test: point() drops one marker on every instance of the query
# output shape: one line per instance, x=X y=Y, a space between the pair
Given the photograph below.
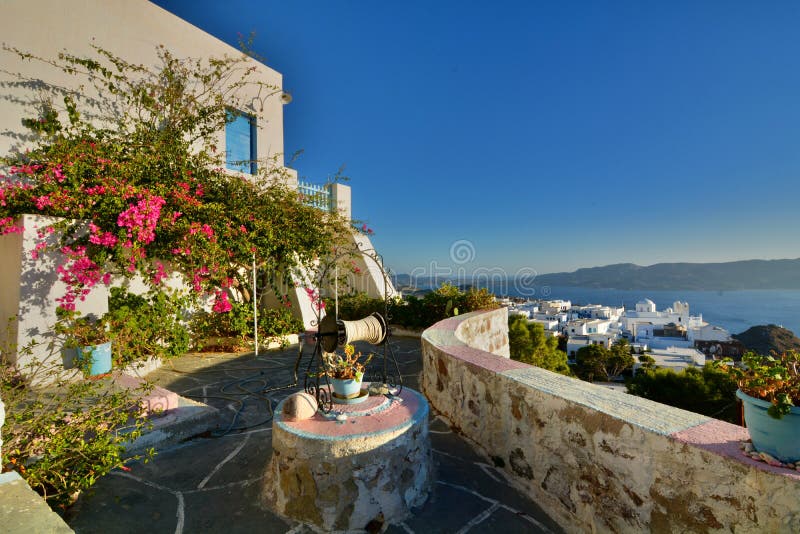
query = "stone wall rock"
x=596 y=459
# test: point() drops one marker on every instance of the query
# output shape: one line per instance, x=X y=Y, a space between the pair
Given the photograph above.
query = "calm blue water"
x=736 y=311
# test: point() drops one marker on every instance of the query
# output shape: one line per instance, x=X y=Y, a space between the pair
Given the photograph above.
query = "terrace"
x=214 y=481
x=514 y=447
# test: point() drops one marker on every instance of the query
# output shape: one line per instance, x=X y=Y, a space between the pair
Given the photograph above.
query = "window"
x=240 y=142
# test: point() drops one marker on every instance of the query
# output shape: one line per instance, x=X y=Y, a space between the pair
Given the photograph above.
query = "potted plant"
x=769 y=387
x=86 y=344
x=345 y=371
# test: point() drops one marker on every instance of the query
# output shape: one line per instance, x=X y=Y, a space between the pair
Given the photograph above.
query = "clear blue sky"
x=550 y=135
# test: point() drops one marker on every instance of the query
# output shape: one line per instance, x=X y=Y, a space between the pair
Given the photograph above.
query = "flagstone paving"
x=213 y=482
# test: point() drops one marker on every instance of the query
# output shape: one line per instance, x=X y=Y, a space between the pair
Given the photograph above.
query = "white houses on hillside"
x=673 y=327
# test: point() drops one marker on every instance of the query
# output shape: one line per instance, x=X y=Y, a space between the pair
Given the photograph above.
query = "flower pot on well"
x=98 y=358
x=779 y=438
x=346 y=388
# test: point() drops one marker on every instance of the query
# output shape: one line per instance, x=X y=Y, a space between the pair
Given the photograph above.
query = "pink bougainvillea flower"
x=106 y=239
x=160 y=275
x=80 y=274
x=141 y=218
x=221 y=303
x=7 y=226
x=42 y=202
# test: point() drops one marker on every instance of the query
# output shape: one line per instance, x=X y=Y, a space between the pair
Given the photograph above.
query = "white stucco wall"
x=369 y=278
x=29 y=291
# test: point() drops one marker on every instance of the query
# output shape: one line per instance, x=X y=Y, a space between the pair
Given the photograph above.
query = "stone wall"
x=596 y=459
x=486 y=331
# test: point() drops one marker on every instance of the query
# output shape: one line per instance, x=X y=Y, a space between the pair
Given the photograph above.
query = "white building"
x=575 y=343
x=597 y=311
x=518 y=311
x=708 y=332
x=582 y=327
x=526 y=309
x=550 y=325
x=662 y=336
x=646 y=317
x=553 y=319
x=554 y=306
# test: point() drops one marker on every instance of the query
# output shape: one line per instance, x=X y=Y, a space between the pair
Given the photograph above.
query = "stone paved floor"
x=212 y=483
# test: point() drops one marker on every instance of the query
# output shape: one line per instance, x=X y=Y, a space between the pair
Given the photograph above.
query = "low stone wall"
x=596 y=459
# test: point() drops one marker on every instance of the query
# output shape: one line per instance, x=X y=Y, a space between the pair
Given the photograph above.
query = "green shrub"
x=276 y=322
x=62 y=439
x=529 y=344
x=411 y=312
x=142 y=326
x=708 y=391
x=233 y=330
x=355 y=306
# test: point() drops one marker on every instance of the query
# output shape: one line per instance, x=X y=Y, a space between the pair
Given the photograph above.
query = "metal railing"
x=318 y=196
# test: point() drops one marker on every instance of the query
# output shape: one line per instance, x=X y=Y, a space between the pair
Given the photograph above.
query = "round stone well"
x=340 y=475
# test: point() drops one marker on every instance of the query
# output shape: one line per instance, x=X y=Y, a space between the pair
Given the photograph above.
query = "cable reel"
x=338 y=333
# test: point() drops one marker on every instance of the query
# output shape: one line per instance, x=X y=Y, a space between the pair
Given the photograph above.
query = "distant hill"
x=764 y=339
x=749 y=274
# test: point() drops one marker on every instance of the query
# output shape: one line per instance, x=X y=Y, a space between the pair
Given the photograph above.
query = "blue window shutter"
x=240 y=143
x=253 y=146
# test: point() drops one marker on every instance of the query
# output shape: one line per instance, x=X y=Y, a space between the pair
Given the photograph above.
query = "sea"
x=736 y=311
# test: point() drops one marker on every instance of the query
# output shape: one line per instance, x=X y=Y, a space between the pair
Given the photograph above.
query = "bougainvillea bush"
x=140 y=189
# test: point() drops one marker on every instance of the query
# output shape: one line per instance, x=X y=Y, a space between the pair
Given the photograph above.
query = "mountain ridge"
x=718 y=276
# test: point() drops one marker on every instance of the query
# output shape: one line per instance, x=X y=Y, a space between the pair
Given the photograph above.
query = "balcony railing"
x=318 y=196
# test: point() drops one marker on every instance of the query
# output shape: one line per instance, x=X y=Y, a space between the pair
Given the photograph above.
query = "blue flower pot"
x=98 y=356
x=779 y=438
x=346 y=388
